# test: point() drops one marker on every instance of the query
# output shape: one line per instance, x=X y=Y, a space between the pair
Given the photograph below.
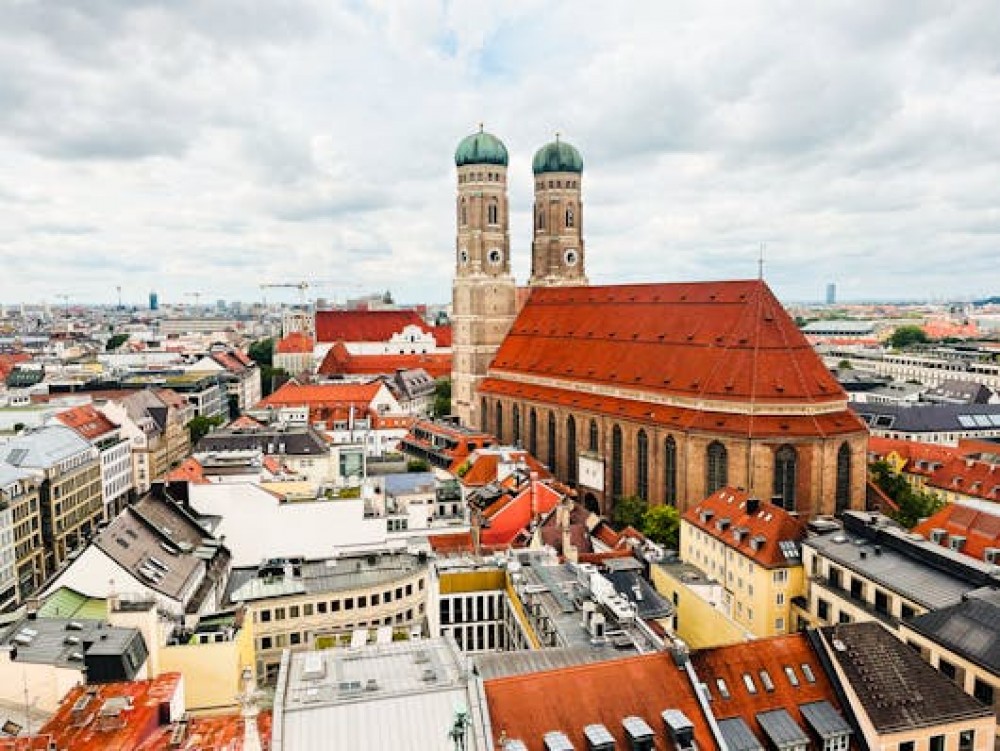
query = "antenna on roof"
x=760 y=263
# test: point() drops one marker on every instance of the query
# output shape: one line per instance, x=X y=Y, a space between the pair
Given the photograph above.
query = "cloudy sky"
x=211 y=145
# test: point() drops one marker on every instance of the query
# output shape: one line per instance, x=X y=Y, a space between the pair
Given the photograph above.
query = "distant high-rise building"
x=154 y=301
x=831 y=294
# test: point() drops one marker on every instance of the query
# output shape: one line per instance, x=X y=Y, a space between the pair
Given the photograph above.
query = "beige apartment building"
x=301 y=605
x=19 y=493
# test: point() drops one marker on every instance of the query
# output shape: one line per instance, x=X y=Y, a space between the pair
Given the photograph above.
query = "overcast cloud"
x=208 y=146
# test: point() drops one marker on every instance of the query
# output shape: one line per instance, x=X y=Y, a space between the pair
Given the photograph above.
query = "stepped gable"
x=728 y=341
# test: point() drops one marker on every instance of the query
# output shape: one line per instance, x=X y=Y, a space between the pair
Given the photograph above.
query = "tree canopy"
x=908 y=335
x=262 y=352
x=662 y=524
x=115 y=342
x=914 y=505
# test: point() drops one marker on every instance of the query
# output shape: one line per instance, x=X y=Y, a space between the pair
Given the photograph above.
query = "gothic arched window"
x=516 y=420
x=551 y=443
x=786 y=460
x=670 y=471
x=642 y=466
x=570 y=449
x=570 y=217
x=594 y=436
x=492 y=213
x=541 y=219
x=499 y=426
x=843 y=492
x=484 y=416
x=716 y=467
x=616 y=462
x=463 y=216
x=533 y=432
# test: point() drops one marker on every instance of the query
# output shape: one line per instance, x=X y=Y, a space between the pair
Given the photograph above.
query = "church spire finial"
x=480 y=126
x=760 y=263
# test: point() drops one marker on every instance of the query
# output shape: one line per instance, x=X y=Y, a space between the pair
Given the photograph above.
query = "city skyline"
x=190 y=149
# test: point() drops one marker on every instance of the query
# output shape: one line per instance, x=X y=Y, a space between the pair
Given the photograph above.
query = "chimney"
x=753 y=505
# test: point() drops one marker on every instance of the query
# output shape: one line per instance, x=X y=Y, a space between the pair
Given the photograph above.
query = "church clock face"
x=571 y=257
x=495 y=256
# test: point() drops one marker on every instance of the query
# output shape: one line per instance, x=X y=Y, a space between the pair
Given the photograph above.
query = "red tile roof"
x=483 y=466
x=969 y=475
x=87 y=421
x=338 y=361
x=218 y=733
x=921 y=458
x=773 y=655
x=770 y=522
x=8 y=361
x=680 y=418
x=442 y=335
x=296 y=343
x=528 y=706
x=137 y=725
x=979 y=526
x=728 y=341
x=365 y=325
x=323 y=394
x=190 y=470
x=460 y=542
x=508 y=517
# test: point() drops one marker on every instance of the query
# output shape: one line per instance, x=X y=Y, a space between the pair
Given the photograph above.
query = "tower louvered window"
x=484 y=415
x=516 y=420
x=499 y=425
x=594 y=436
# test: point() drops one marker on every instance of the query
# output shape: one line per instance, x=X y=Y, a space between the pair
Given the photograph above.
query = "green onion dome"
x=557 y=156
x=481 y=148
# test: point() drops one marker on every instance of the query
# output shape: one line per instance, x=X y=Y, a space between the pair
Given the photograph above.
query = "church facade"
x=662 y=391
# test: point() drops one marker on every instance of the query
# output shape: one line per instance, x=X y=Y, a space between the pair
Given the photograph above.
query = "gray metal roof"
x=319 y=577
x=783 y=731
x=295 y=441
x=54 y=641
x=738 y=735
x=407 y=483
x=929 y=418
x=824 y=719
x=915 y=580
x=632 y=586
x=968 y=629
x=44 y=447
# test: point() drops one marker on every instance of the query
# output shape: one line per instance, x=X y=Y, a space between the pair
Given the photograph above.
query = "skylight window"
x=723 y=688
x=765 y=679
x=792 y=677
x=807 y=671
x=748 y=682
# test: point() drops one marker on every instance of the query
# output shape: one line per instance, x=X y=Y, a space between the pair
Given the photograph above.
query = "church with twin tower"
x=485 y=295
x=664 y=391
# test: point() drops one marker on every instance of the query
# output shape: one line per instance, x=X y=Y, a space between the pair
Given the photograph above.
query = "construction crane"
x=196 y=296
x=65 y=299
x=300 y=286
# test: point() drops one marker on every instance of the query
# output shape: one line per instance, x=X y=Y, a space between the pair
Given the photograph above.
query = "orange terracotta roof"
x=217 y=733
x=509 y=517
x=172 y=399
x=727 y=341
x=528 y=706
x=338 y=361
x=970 y=476
x=89 y=422
x=979 y=526
x=460 y=542
x=138 y=724
x=484 y=466
x=245 y=422
x=921 y=458
x=365 y=325
x=731 y=663
x=325 y=394
x=770 y=522
x=296 y=343
x=190 y=470
x=679 y=418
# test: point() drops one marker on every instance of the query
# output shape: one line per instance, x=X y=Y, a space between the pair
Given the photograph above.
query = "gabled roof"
x=365 y=325
x=43 y=447
x=969 y=475
x=729 y=341
x=87 y=421
x=483 y=466
x=509 y=517
x=295 y=343
x=190 y=470
x=729 y=672
x=323 y=394
x=980 y=526
x=528 y=706
x=723 y=515
x=919 y=458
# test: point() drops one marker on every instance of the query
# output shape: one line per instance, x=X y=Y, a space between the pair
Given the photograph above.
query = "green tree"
x=115 y=342
x=200 y=426
x=442 y=397
x=629 y=512
x=914 y=505
x=906 y=336
x=262 y=352
x=271 y=379
x=662 y=524
x=845 y=365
